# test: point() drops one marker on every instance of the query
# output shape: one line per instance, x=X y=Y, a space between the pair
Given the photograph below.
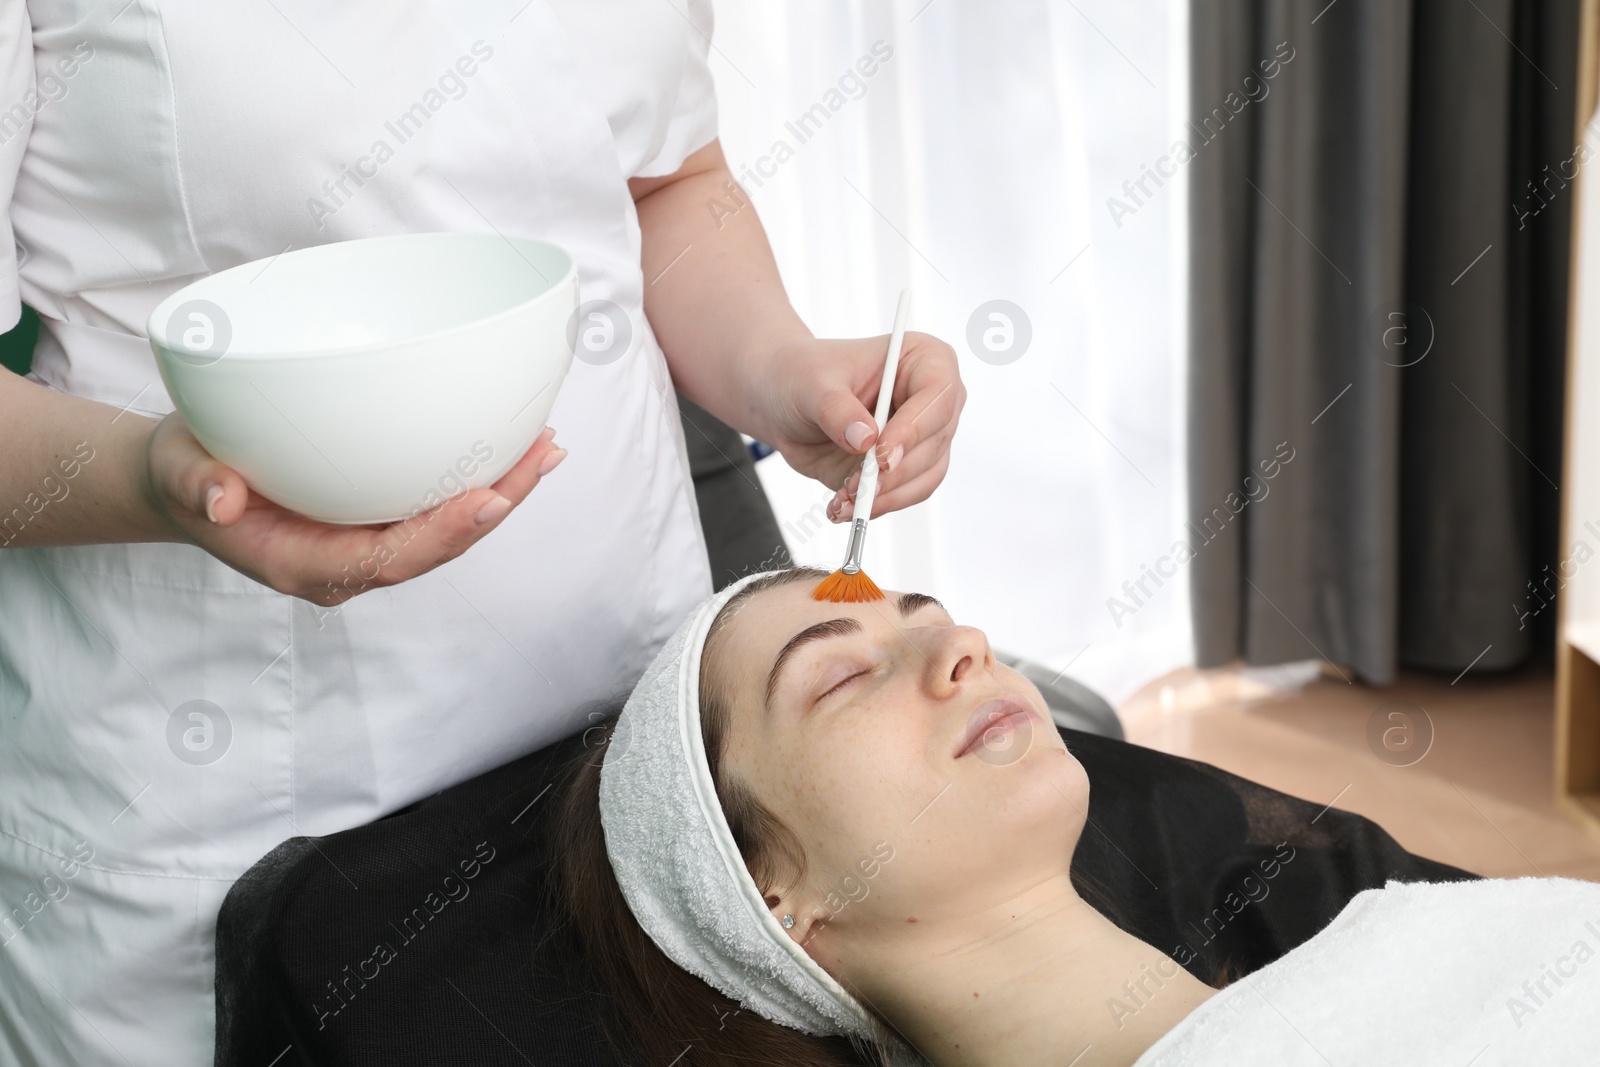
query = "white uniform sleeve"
x=19 y=99
x=693 y=123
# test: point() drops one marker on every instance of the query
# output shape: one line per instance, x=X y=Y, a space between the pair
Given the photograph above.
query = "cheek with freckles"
x=846 y=784
x=872 y=759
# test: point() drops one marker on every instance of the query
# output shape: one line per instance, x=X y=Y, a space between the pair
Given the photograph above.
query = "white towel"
x=1494 y=972
x=676 y=860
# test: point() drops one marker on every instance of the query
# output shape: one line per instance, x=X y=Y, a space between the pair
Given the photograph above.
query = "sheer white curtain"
x=970 y=151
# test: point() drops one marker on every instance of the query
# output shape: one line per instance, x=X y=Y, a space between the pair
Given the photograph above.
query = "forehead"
x=758 y=627
x=766 y=620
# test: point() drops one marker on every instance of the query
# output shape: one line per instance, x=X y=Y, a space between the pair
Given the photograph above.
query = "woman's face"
x=924 y=779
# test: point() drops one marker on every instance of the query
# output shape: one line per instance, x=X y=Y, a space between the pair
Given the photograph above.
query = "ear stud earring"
x=788 y=922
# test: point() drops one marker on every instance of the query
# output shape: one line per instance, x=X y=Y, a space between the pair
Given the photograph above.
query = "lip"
x=1005 y=713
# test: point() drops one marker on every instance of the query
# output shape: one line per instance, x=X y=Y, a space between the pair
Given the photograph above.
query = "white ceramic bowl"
x=367 y=380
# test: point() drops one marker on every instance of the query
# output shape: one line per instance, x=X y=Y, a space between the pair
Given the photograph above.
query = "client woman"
x=853 y=823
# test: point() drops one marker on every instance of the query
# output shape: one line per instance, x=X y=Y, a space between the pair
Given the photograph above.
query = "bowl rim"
x=159 y=340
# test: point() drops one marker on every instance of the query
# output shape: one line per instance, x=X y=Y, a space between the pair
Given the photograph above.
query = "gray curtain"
x=1377 y=305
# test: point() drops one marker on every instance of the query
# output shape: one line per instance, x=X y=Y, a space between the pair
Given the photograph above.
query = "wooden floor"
x=1479 y=796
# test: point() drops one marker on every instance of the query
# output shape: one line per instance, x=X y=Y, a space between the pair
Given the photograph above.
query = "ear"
x=808 y=920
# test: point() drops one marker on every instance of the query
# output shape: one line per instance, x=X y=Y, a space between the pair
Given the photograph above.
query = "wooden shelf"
x=1584 y=637
x=1578 y=732
x=1578 y=630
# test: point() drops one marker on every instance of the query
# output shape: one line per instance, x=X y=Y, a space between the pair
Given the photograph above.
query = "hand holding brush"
x=850 y=584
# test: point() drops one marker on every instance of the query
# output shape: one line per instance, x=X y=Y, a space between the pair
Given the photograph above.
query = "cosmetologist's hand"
x=820 y=405
x=324 y=563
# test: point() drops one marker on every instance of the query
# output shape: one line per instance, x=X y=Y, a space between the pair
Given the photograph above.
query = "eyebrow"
x=905 y=603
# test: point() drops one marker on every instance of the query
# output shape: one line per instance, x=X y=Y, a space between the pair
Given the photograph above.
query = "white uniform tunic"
x=145 y=143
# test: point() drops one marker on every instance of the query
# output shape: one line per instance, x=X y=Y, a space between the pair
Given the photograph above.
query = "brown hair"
x=671 y=1015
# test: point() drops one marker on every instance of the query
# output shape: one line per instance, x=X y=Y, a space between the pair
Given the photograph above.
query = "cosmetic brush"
x=850 y=583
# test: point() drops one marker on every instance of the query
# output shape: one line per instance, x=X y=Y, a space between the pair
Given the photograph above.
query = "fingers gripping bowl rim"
x=365 y=381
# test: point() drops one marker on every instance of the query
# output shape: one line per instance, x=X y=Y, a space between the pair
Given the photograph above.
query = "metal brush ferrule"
x=858 y=544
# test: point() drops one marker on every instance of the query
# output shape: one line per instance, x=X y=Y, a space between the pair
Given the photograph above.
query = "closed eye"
x=843 y=683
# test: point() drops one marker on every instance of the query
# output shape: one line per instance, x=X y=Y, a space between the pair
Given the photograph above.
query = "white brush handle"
x=868 y=489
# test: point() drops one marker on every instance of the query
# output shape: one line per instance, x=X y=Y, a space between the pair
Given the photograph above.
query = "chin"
x=1046 y=787
x=1010 y=829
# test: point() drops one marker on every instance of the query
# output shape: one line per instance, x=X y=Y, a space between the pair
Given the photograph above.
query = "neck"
x=1040 y=978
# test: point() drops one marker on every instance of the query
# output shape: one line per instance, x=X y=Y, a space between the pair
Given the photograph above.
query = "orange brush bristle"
x=842 y=588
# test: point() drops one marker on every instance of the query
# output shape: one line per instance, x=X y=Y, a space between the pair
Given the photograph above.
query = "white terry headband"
x=675 y=858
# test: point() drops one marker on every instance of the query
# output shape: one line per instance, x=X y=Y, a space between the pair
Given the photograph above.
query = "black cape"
x=424 y=938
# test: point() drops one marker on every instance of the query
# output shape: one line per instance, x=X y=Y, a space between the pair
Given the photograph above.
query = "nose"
x=957 y=654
